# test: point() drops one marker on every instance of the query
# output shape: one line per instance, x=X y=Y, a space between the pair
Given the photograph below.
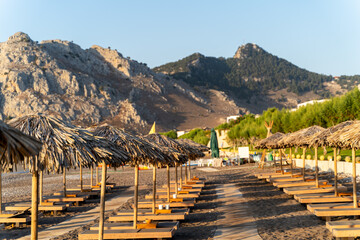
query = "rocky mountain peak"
x=248 y=50
x=19 y=37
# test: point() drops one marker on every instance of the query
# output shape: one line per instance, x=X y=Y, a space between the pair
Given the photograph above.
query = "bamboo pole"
x=189 y=171
x=186 y=173
x=0 y=191
x=91 y=176
x=41 y=185
x=136 y=192
x=354 y=177
x=335 y=172
x=64 y=181
x=303 y=156
x=168 y=182
x=81 y=178
x=176 y=179
x=181 y=176
x=281 y=163
x=102 y=201
x=97 y=175
x=34 y=201
x=291 y=162
x=154 y=190
x=316 y=167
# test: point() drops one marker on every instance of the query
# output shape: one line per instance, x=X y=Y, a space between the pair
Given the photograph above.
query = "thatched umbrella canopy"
x=300 y=137
x=348 y=137
x=193 y=144
x=65 y=146
x=270 y=142
x=321 y=139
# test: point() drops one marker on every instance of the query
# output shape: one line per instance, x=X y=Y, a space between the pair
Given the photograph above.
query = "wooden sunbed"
x=144 y=214
x=288 y=179
x=172 y=191
x=185 y=203
x=305 y=190
x=322 y=198
x=313 y=207
x=79 y=193
x=297 y=184
x=344 y=229
x=16 y=219
x=55 y=208
x=76 y=199
x=128 y=225
x=342 y=212
x=161 y=196
x=162 y=230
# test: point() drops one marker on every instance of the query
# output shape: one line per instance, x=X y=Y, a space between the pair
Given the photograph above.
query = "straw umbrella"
x=63 y=147
x=197 y=147
x=348 y=137
x=300 y=139
x=321 y=139
x=140 y=152
x=271 y=142
x=180 y=154
x=15 y=148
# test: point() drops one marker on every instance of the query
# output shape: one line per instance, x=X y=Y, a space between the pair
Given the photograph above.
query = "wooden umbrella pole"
x=102 y=201
x=91 y=176
x=34 y=202
x=154 y=190
x=335 y=172
x=41 y=185
x=181 y=176
x=0 y=192
x=281 y=163
x=64 y=181
x=81 y=178
x=303 y=156
x=97 y=175
x=186 y=173
x=136 y=192
x=291 y=162
x=176 y=179
x=316 y=167
x=168 y=182
x=354 y=177
x=189 y=171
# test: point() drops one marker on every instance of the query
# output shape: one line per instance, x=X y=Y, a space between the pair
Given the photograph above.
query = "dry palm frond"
x=65 y=146
x=139 y=150
x=270 y=142
x=15 y=146
x=347 y=137
x=193 y=144
x=299 y=138
x=320 y=138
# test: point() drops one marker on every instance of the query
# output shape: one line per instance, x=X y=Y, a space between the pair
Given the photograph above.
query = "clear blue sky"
x=320 y=35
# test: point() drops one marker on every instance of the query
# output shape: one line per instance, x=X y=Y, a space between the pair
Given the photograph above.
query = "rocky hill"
x=253 y=72
x=98 y=84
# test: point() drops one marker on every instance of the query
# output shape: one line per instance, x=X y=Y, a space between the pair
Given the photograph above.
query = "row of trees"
x=325 y=114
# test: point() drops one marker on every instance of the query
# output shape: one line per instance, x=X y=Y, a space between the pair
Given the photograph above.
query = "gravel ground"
x=277 y=215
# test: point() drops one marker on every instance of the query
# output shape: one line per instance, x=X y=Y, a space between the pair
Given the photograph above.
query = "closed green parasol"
x=214 y=144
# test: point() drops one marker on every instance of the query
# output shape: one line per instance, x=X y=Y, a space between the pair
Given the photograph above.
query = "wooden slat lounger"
x=76 y=199
x=59 y=207
x=162 y=196
x=126 y=216
x=344 y=229
x=288 y=179
x=186 y=203
x=17 y=219
x=79 y=193
x=129 y=225
x=172 y=191
x=313 y=207
x=297 y=184
x=305 y=190
x=328 y=213
x=162 y=231
x=322 y=198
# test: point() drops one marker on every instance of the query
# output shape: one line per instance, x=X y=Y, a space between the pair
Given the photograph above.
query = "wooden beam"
x=176 y=180
x=335 y=172
x=91 y=175
x=154 y=190
x=189 y=171
x=303 y=170
x=168 y=182
x=64 y=181
x=34 y=201
x=136 y=193
x=41 y=185
x=181 y=176
x=102 y=201
x=81 y=178
x=97 y=175
x=316 y=167
x=354 y=178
